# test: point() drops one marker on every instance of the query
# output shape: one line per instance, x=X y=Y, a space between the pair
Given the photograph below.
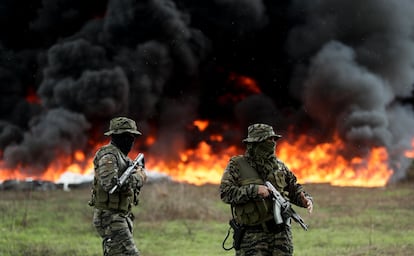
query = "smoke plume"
x=326 y=67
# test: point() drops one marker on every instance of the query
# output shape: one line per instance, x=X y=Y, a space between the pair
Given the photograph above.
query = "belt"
x=112 y=211
x=269 y=226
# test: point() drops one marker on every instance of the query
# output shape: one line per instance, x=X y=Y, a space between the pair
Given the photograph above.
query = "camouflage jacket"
x=109 y=165
x=236 y=191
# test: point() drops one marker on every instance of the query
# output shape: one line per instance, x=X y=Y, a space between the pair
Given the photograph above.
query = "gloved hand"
x=138 y=178
x=141 y=172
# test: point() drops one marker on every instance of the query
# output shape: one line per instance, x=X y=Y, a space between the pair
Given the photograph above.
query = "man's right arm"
x=230 y=190
x=107 y=171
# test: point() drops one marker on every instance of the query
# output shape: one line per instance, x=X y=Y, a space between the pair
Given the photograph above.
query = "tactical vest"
x=255 y=211
x=120 y=200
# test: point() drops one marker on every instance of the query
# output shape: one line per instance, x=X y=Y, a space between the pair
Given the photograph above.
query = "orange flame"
x=249 y=84
x=311 y=164
x=242 y=87
x=199 y=166
x=77 y=164
x=322 y=164
x=410 y=153
x=310 y=161
x=201 y=124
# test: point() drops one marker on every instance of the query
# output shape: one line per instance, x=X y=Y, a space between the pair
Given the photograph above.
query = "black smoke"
x=323 y=67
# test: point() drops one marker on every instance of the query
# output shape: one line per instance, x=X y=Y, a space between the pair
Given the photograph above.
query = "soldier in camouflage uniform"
x=112 y=214
x=242 y=186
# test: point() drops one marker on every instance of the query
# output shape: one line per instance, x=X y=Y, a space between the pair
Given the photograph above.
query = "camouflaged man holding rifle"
x=114 y=194
x=252 y=204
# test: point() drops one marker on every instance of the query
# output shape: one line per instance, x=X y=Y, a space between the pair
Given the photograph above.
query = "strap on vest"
x=115 y=201
x=247 y=173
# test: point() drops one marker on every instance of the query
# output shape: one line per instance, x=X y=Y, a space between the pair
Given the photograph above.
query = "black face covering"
x=123 y=141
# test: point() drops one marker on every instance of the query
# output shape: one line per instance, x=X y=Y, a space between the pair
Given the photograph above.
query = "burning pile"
x=334 y=77
x=311 y=161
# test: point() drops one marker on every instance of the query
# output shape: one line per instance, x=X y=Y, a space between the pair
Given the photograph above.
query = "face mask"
x=123 y=141
x=264 y=149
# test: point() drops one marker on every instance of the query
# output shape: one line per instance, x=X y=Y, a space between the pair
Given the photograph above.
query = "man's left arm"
x=297 y=193
x=138 y=178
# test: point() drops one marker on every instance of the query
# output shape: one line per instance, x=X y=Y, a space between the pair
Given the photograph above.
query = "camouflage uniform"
x=112 y=214
x=239 y=188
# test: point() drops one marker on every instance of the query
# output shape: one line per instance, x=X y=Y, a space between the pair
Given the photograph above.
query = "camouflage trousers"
x=116 y=232
x=261 y=243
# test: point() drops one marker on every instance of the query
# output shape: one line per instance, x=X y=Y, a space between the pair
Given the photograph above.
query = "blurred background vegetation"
x=187 y=220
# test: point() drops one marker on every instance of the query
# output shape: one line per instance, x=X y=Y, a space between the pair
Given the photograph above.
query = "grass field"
x=180 y=219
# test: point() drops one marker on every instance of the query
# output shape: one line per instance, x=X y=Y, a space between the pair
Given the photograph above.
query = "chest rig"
x=122 y=199
x=258 y=210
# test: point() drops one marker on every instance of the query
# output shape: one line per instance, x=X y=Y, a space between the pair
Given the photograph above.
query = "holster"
x=238 y=233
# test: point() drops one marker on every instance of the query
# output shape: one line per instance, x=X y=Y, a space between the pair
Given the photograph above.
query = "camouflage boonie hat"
x=120 y=125
x=260 y=132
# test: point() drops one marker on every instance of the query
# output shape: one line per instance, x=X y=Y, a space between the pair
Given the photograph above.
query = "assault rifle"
x=139 y=161
x=282 y=209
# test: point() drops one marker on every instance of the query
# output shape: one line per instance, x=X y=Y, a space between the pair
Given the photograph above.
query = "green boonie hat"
x=120 y=125
x=260 y=132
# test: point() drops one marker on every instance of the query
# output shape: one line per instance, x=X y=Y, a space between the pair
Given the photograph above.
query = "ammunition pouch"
x=254 y=212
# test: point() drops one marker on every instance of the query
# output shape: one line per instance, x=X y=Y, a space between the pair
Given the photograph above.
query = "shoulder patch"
x=107 y=159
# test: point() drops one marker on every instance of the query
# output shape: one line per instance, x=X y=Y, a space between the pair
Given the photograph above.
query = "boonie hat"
x=260 y=132
x=120 y=125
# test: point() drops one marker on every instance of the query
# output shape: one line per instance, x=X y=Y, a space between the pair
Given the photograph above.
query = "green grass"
x=179 y=219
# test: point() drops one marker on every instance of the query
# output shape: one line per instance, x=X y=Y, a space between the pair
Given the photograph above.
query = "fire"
x=241 y=87
x=410 y=153
x=197 y=166
x=201 y=124
x=77 y=164
x=311 y=162
x=249 y=84
x=321 y=163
